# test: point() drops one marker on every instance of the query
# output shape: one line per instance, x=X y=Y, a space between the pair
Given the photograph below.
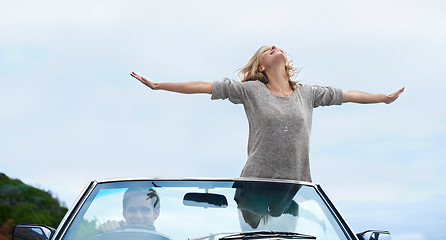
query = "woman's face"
x=270 y=56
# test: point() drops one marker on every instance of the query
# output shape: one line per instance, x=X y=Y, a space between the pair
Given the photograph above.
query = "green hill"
x=21 y=203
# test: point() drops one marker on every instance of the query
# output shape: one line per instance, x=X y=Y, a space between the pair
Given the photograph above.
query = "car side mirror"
x=32 y=232
x=374 y=235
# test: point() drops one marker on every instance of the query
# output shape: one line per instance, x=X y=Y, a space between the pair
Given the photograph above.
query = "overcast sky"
x=71 y=113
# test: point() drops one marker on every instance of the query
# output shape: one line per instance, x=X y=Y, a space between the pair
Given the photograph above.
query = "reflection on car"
x=200 y=209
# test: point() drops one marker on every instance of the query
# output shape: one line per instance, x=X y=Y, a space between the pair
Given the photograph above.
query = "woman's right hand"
x=144 y=81
x=179 y=87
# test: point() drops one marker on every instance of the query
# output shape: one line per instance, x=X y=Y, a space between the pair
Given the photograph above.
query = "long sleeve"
x=228 y=89
x=326 y=96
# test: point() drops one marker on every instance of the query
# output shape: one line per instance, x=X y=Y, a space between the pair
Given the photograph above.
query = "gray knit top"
x=279 y=127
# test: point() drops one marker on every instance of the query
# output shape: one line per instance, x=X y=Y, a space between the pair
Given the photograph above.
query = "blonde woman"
x=279 y=111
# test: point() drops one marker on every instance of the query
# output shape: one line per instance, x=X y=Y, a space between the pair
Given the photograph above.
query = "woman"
x=279 y=111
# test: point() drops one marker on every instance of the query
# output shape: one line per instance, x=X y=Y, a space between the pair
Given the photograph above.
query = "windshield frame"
x=93 y=186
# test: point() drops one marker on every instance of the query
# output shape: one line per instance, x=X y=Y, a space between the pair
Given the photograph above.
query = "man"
x=141 y=207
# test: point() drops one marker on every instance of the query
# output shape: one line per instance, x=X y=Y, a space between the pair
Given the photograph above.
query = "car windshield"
x=203 y=210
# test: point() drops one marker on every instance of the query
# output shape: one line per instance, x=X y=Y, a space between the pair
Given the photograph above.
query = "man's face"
x=139 y=211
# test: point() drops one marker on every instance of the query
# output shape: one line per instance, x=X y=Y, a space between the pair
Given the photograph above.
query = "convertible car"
x=200 y=209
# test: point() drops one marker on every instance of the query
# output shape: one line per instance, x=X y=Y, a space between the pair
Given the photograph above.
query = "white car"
x=200 y=209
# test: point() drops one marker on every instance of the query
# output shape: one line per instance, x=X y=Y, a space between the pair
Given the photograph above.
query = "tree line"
x=21 y=203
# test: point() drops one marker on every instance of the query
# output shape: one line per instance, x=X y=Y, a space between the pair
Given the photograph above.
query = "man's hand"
x=111 y=225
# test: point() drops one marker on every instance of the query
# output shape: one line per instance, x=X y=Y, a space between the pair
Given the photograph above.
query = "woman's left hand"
x=392 y=97
x=363 y=97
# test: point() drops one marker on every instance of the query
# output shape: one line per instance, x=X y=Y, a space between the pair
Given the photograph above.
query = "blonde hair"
x=250 y=72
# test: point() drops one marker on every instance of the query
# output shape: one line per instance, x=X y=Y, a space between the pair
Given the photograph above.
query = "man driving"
x=141 y=207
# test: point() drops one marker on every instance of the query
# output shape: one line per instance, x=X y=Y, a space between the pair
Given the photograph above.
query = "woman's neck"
x=278 y=83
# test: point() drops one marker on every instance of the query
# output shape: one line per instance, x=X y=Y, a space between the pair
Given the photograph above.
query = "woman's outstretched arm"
x=179 y=87
x=362 y=97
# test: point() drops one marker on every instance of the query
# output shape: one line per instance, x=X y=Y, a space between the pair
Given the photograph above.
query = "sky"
x=70 y=112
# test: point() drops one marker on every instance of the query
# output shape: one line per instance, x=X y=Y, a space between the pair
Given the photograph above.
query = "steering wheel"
x=132 y=234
